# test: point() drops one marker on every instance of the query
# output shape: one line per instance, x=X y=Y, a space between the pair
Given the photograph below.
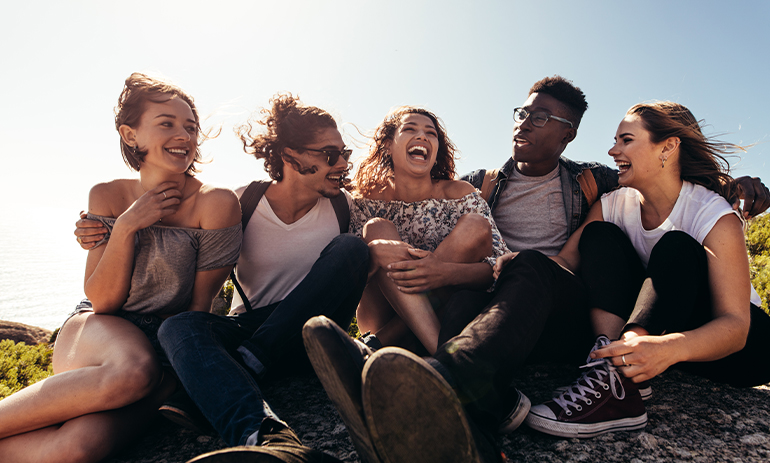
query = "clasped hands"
x=412 y=270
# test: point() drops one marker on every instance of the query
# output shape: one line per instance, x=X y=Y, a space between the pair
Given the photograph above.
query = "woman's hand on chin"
x=645 y=356
x=151 y=207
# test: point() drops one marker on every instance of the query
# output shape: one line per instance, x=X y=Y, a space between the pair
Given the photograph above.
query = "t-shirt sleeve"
x=219 y=248
x=709 y=214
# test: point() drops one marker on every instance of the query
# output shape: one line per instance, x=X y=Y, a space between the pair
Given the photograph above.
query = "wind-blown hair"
x=375 y=172
x=701 y=159
x=289 y=124
x=137 y=91
x=566 y=92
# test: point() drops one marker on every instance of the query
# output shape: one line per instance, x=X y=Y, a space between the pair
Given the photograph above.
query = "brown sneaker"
x=338 y=361
x=600 y=401
x=277 y=444
x=413 y=414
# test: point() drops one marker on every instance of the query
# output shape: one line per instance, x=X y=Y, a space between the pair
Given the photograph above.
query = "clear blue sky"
x=63 y=65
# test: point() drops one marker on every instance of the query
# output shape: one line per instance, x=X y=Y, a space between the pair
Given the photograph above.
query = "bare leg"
x=101 y=362
x=606 y=323
x=469 y=241
x=88 y=438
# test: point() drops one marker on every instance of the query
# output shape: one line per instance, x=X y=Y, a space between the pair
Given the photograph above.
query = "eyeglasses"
x=538 y=118
x=332 y=156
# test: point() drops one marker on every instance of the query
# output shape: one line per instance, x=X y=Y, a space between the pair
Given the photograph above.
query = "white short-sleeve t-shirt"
x=696 y=212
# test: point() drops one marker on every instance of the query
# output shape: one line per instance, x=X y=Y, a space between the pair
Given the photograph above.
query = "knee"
x=529 y=260
x=128 y=379
x=677 y=248
x=174 y=330
x=378 y=228
x=598 y=235
x=352 y=246
x=475 y=231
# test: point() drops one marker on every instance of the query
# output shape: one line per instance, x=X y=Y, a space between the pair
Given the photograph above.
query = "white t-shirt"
x=276 y=257
x=696 y=212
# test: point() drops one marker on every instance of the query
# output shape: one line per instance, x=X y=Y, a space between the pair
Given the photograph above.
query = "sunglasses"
x=332 y=156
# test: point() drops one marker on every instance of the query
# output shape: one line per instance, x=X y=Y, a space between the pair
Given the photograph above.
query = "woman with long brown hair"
x=426 y=231
x=665 y=264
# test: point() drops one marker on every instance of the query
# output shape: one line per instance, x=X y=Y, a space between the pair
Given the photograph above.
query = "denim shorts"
x=149 y=324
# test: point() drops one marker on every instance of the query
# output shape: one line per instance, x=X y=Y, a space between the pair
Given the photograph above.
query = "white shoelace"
x=602 y=373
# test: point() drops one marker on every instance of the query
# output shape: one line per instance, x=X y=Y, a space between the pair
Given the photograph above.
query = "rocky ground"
x=690 y=419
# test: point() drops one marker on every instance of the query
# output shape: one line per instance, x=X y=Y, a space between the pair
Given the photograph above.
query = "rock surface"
x=690 y=419
x=19 y=332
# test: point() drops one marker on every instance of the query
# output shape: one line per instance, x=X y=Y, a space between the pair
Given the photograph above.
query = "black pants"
x=538 y=311
x=671 y=295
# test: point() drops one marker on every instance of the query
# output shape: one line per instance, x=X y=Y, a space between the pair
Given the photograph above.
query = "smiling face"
x=638 y=159
x=414 y=145
x=168 y=133
x=314 y=171
x=536 y=150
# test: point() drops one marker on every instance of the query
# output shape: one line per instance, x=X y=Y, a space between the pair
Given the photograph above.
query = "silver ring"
x=623 y=358
x=164 y=195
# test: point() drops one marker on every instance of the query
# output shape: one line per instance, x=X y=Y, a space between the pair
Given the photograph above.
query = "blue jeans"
x=202 y=347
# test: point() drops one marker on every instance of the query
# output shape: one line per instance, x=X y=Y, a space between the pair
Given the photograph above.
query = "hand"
x=151 y=207
x=755 y=196
x=645 y=356
x=501 y=262
x=422 y=273
x=89 y=232
x=384 y=252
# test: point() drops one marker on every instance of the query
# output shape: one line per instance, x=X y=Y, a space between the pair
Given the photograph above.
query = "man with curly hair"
x=296 y=262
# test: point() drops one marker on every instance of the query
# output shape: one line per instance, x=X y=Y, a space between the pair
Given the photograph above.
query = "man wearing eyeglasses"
x=537 y=311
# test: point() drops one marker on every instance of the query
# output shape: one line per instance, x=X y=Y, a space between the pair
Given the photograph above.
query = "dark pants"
x=537 y=311
x=202 y=346
x=671 y=295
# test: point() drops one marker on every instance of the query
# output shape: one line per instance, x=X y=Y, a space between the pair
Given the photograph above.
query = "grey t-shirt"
x=530 y=213
x=165 y=262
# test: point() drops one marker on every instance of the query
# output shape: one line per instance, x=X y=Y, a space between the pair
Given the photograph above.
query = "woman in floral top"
x=425 y=230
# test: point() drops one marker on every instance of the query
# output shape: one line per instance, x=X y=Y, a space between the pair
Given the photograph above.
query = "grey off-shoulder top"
x=166 y=259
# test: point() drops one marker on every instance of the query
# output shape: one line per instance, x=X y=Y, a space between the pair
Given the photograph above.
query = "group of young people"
x=461 y=281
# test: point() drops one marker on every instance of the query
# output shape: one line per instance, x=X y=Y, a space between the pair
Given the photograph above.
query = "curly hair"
x=376 y=170
x=701 y=159
x=137 y=91
x=566 y=92
x=289 y=124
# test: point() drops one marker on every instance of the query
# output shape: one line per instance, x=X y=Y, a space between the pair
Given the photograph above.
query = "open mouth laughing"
x=418 y=152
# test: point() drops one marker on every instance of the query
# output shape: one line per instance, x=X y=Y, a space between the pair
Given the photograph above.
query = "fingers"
x=760 y=201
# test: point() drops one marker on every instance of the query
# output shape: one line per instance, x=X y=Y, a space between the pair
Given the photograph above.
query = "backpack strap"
x=489 y=184
x=342 y=210
x=249 y=201
x=588 y=185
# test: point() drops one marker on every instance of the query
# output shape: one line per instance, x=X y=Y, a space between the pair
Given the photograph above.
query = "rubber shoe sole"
x=517 y=416
x=332 y=353
x=412 y=413
x=581 y=430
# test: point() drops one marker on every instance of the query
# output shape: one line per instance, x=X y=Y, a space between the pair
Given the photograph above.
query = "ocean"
x=41 y=265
